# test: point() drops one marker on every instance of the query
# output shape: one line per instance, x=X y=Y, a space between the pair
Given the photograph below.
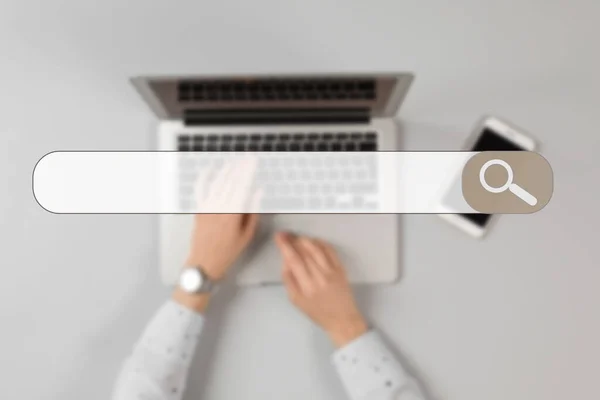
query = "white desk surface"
x=512 y=317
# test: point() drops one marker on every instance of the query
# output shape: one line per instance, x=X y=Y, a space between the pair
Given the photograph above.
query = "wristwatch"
x=194 y=281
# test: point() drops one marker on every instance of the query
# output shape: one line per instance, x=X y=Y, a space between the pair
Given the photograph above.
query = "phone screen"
x=490 y=141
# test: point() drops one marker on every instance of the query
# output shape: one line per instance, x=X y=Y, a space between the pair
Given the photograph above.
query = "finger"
x=250 y=222
x=250 y=225
x=290 y=283
x=227 y=184
x=294 y=261
x=318 y=254
x=315 y=272
x=217 y=187
x=332 y=256
x=242 y=182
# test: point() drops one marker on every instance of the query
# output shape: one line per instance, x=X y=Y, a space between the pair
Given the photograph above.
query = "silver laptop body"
x=355 y=112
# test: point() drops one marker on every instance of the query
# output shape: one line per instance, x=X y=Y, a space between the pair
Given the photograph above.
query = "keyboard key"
x=368 y=146
x=322 y=147
x=350 y=146
x=326 y=188
x=288 y=203
x=186 y=164
x=371 y=205
x=298 y=188
x=336 y=147
x=363 y=188
x=269 y=190
x=329 y=203
x=276 y=174
x=292 y=174
x=358 y=201
x=186 y=190
x=285 y=189
x=317 y=162
x=212 y=138
x=308 y=146
x=184 y=204
x=272 y=162
x=315 y=203
x=280 y=147
x=366 y=86
x=294 y=147
x=188 y=177
x=305 y=174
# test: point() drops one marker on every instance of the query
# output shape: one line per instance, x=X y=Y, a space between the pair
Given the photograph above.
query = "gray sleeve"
x=370 y=371
x=158 y=367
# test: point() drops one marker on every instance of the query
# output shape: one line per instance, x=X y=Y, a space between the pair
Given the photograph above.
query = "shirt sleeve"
x=370 y=371
x=158 y=366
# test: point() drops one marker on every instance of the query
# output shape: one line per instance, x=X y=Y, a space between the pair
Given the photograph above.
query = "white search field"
x=289 y=182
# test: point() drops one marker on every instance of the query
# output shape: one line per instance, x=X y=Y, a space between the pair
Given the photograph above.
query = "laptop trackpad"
x=365 y=243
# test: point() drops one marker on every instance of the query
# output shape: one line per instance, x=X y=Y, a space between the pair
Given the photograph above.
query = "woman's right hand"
x=317 y=285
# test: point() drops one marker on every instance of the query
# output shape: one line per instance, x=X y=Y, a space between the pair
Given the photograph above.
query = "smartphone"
x=490 y=134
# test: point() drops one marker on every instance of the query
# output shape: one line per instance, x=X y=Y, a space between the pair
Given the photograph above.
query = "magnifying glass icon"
x=509 y=185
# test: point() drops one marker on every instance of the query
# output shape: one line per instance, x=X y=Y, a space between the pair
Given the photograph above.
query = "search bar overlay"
x=157 y=182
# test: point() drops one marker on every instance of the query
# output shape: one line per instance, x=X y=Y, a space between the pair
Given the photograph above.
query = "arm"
x=158 y=367
x=316 y=283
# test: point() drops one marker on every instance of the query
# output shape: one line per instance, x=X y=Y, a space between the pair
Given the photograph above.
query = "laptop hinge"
x=279 y=116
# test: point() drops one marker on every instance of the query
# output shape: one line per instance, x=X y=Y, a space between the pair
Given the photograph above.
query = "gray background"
x=513 y=316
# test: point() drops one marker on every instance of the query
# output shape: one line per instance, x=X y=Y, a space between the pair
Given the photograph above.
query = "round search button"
x=508 y=185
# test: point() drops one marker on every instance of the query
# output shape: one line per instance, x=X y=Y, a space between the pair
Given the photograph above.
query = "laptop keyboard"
x=303 y=182
x=355 y=141
x=277 y=90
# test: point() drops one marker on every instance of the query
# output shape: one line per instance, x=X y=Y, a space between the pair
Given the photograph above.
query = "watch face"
x=190 y=280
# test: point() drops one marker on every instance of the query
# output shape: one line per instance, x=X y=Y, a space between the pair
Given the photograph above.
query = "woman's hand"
x=317 y=285
x=218 y=240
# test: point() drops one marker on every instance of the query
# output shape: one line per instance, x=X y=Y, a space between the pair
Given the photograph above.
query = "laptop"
x=279 y=114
